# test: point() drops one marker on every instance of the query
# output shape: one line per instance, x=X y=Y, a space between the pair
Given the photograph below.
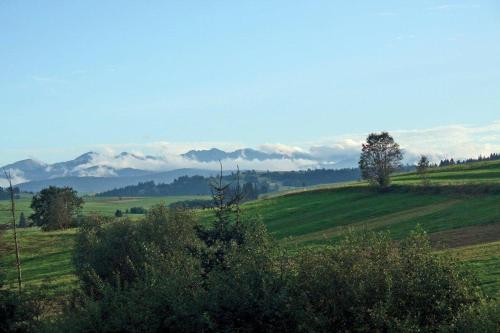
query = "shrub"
x=484 y=317
x=137 y=210
x=120 y=252
x=365 y=284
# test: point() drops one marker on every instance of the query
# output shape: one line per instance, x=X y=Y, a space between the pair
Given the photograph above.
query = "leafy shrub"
x=192 y=204
x=137 y=210
x=120 y=252
x=482 y=318
x=365 y=284
x=20 y=312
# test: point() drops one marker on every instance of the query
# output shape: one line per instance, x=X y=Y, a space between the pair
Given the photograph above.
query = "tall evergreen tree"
x=22 y=221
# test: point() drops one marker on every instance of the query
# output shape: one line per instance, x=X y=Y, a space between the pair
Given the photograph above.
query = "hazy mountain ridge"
x=95 y=172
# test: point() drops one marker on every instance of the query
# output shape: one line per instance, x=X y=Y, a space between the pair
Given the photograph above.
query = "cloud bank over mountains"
x=137 y=160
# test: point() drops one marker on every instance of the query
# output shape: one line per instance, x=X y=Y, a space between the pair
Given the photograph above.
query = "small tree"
x=16 y=243
x=22 y=221
x=54 y=207
x=118 y=213
x=380 y=156
x=423 y=168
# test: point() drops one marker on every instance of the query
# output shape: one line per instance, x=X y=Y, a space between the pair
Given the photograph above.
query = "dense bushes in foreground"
x=167 y=274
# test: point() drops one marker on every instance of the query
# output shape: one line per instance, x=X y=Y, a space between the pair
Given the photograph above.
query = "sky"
x=85 y=75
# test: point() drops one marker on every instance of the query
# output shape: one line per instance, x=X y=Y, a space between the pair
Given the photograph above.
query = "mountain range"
x=97 y=172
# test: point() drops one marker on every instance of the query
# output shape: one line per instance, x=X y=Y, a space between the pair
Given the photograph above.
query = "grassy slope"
x=44 y=255
x=321 y=215
x=473 y=173
x=484 y=260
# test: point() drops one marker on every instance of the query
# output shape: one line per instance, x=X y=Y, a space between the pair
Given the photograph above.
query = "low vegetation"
x=235 y=278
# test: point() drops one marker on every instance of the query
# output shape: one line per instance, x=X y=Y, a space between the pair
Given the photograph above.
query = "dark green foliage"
x=380 y=156
x=312 y=177
x=367 y=285
x=55 y=208
x=423 y=168
x=491 y=157
x=118 y=253
x=137 y=210
x=192 y=204
x=16 y=313
x=5 y=193
x=262 y=182
x=484 y=317
x=118 y=213
x=22 y=221
x=19 y=312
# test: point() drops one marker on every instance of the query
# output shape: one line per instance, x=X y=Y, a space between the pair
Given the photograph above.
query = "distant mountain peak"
x=87 y=157
x=26 y=164
x=250 y=154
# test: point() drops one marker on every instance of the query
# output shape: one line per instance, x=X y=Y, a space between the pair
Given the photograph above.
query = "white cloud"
x=280 y=148
x=17 y=176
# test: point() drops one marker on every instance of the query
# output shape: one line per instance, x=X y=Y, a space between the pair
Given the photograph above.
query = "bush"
x=119 y=252
x=482 y=318
x=137 y=210
x=21 y=312
x=365 y=284
x=193 y=204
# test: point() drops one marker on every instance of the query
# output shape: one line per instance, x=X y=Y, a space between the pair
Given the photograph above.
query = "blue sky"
x=83 y=74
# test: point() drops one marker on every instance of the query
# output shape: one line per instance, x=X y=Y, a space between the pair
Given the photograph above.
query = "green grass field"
x=101 y=205
x=484 y=260
x=473 y=173
x=45 y=257
x=470 y=224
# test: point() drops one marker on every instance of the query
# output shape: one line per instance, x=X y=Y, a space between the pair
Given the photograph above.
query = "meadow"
x=466 y=225
x=106 y=206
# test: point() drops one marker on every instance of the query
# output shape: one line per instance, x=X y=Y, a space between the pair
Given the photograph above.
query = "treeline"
x=448 y=162
x=313 y=177
x=253 y=182
x=190 y=185
x=5 y=193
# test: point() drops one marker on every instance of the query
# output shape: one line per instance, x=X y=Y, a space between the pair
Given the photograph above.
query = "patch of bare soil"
x=466 y=236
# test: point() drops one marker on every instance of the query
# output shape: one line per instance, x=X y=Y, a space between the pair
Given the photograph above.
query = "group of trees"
x=480 y=158
x=5 y=193
x=311 y=177
x=189 y=185
x=167 y=273
x=256 y=183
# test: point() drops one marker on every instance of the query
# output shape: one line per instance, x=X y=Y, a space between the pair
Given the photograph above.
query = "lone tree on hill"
x=423 y=168
x=55 y=207
x=380 y=156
